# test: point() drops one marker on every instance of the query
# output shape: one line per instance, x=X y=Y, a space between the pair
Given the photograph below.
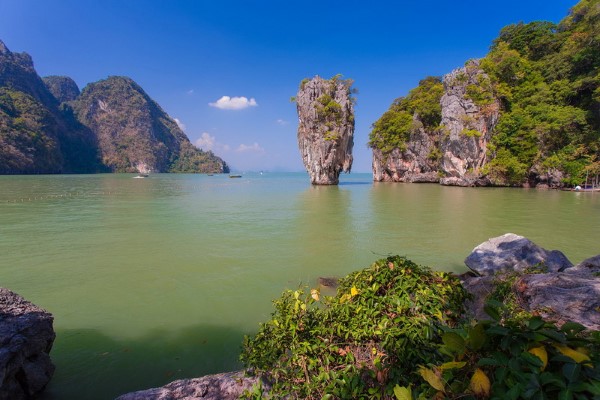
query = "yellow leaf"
x=353 y=291
x=540 y=352
x=452 y=365
x=402 y=392
x=432 y=378
x=574 y=354
x=480 y=384
x=314 y=293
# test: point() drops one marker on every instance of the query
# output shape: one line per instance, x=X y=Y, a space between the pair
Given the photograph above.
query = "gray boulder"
x=226 y=386
x=26 y=337
x=590 y=266
x=511 y=252
x=561 y=297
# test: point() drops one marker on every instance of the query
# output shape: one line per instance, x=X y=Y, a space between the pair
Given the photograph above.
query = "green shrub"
x=361 y=343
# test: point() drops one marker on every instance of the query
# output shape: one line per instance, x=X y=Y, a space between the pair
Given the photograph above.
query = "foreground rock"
x=226 y=386
x=511 y=252
x=326 y=128
x=26 y=337
x=563 y=293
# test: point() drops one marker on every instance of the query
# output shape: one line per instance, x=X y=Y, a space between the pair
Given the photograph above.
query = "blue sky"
x=188 y=55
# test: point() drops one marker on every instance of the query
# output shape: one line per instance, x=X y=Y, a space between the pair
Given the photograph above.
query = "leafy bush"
x=361 y=343
x=534 y=360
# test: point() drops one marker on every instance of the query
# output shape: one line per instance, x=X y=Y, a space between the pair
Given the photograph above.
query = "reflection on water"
x=155 y=279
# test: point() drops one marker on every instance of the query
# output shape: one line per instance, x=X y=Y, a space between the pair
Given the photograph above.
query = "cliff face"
x=416 y=163
x=467 y=127
x=326 y=128
x=406 y=139
x=63 y=88
x=438 y=133
x=36 y=134
x=526 y=114
x=135 y=134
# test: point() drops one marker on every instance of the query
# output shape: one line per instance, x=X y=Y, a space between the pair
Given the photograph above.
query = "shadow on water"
x=92 y=365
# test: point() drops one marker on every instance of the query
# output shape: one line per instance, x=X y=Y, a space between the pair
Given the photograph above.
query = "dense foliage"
x=510 y=361
x=395 y=330
x=395 y=126
x=383 y=321
x=548 y=79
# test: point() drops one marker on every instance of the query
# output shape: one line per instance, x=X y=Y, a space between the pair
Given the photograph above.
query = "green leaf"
x=477 y=337
x=454 y=342
x=565 y=394
x=490 y=361
x=572 y=327
x=554 y=335
x=492 y=310
x=514 y=392
x=571 y=371
x=402 y=392
x=536 y=323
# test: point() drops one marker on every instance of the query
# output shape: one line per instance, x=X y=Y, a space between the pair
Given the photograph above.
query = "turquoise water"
x=157 y=279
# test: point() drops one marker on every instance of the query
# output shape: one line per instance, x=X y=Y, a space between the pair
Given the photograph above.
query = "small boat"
x=209 y=174
x=139 y=176
x=235 y=176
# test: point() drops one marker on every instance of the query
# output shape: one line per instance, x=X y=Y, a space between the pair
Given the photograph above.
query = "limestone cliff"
x=405 y=140
x=63 y=88
x=36 y=134
x=47 y=126
x=326 y=128
x=467 y=126
x=135 y=134
x=438 y=133
x=418 y=162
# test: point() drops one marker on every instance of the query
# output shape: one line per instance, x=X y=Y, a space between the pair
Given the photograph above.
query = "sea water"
x=152 y=280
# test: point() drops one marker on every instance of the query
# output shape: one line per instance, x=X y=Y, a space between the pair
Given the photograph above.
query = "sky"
x=226 y=69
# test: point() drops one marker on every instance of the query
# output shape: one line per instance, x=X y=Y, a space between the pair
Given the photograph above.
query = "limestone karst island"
x=434 y=237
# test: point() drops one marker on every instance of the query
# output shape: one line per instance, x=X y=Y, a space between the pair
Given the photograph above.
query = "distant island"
x=527 y=114
x=47 y=126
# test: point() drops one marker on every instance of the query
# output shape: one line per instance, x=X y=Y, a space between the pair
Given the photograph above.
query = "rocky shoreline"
x=544 y=283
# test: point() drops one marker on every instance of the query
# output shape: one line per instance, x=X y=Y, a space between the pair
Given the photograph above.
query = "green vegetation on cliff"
x=37 y=134
x=395 y=126
x=547 y=79
x=47 y=126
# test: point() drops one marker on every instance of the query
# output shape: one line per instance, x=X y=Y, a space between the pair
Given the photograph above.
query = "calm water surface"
x=157 y=279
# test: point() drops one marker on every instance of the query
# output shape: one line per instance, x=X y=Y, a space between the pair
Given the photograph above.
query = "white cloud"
x=282 y=122
x=233 y=103
x=180 y=124
x=253 y=148
x=208 y=142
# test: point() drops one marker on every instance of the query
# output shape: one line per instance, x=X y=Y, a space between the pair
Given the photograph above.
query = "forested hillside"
x=543 y=81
